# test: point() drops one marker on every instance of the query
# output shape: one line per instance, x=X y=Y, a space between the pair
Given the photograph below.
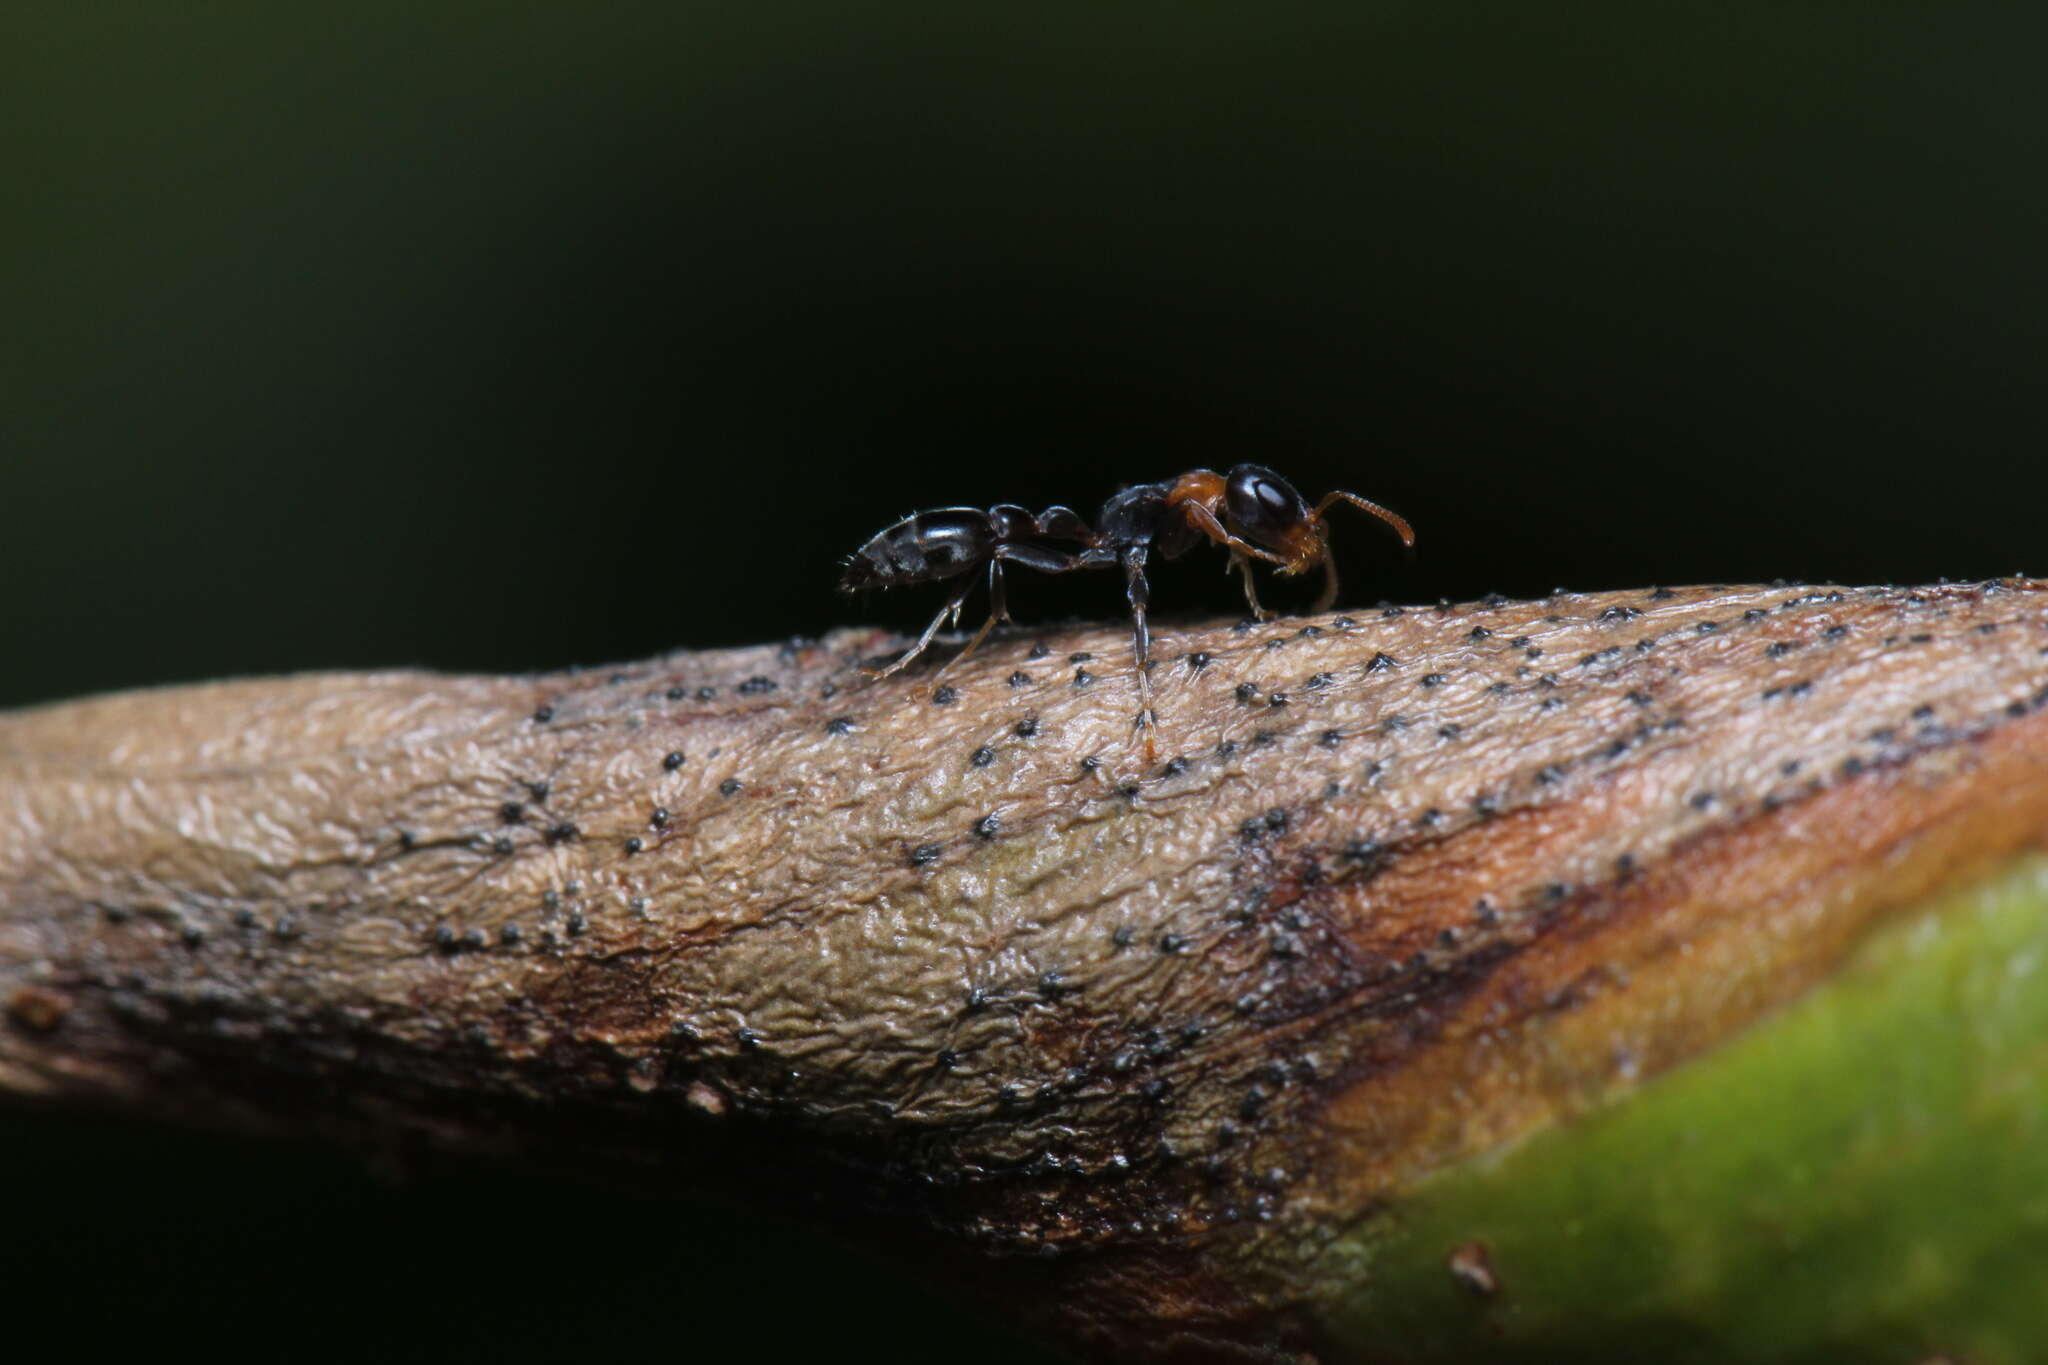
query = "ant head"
x=1266 y=510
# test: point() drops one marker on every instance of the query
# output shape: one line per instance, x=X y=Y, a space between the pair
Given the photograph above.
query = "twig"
x=939 y=948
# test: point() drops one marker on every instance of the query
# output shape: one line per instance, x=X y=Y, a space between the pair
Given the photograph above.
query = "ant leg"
x=1251 y=589
x=1327 y=598
x=1203 y=520
x=952 y=609
x=998 y=610
x=1139 y=594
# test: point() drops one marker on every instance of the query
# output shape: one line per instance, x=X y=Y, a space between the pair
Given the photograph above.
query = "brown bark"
x=947 y=954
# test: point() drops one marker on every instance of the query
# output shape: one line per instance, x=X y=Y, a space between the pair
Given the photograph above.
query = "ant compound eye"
x=1264 y=505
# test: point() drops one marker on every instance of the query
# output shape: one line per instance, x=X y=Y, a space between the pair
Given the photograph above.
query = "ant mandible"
x=1253 y=512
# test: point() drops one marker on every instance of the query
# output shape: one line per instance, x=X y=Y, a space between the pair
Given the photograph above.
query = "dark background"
x=512 y=336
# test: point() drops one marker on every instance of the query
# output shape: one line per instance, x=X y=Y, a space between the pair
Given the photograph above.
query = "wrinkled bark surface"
x=946 y=954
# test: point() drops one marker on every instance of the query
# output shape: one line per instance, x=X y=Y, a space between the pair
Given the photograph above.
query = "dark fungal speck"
x=562 y=831
x=1019 y=678
x=1225 y=748
x=502 y=846
x=1434 y=680
x=509 y=935
x=1174 y=767
x=1082 y=677
x=576 y=923
x=473 y=938
x=542 y=715
x=945 y=695
x=1039 y=650
x=1479 y=633
x=1318 y=680
x=1080 y=657
x=678 y=692
x=839 y=725
x=1090 y=763
x=1245 y=692
x=1777 y=649
x=1121 y=936
x=671 y=760
x=982 y=757
x=1198 y=660
x=511 y=812
x=756 y=685
x=1381 y=663
x=1026 y=728
x=635 y=844
x=1276 y=699
x=924 y=855
x=1171 y=943
x=444 y=938
x=729 y=787
x=1330 y=739
x=988 y=826
x=706 y=693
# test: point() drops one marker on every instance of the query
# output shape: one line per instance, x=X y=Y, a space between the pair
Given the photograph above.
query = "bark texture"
x=945 y=957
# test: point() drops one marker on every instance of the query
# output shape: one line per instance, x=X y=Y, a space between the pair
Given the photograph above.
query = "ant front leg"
x=952 y=609
x=1203 y=520
x=1251 y=588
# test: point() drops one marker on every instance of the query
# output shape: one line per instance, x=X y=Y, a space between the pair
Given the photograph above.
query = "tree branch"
x=1410 y=885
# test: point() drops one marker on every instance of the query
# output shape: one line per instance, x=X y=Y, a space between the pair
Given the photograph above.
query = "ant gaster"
x=1253 y=513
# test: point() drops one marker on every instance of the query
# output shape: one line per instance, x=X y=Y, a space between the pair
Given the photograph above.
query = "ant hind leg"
x=951 y=609
x=998 y=610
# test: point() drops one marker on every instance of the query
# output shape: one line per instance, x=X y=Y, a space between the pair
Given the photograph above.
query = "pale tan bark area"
x=1400 y=886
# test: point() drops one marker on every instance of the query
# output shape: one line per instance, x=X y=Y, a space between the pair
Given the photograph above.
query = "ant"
x=1252 y=512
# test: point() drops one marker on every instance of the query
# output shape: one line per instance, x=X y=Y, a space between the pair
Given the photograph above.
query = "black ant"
x=1253 y=512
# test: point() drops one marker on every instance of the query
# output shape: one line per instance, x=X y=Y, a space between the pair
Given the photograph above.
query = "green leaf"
x=1862 y=1176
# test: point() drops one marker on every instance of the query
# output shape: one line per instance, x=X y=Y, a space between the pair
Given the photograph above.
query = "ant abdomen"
x=924 y=548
